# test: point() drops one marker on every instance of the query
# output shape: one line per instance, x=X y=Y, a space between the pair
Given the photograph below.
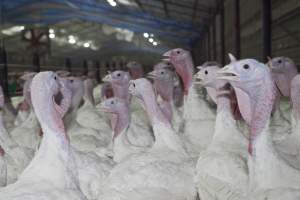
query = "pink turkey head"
x=120 y=110
x=107 y=90
x=27 y=77
x=1 y=98
x=163 y=82
x=76 y=86
x=255 y=91
x=120 y=83
x=183 y=63
x=89 y=85
x=45 y=85
x=143 y=90
x=2 y=152
x=283 y=70
x=163 y=64
x=135 y=69
x=295 y=95
x=207 y=76
x=114 y=105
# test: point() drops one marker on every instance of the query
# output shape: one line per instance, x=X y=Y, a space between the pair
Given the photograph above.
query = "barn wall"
x=285 y=31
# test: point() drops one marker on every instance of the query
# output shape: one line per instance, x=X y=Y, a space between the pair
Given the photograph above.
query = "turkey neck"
x=154 y=113
x=263 y=103
x=88 y=91
x=121 y=123
x=185 y=68
x=121 y=91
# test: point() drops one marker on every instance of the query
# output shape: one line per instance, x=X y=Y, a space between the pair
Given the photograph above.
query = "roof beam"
x=195 y=10
x=140 y=5
x=166 y=8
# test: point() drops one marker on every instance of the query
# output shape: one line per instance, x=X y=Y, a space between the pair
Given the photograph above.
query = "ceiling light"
x=154 y=43
x=146 y=35
x=151 y=35
x=12 y=30
x=51 y=35
x=151 y=40
x=86 y=44
x=72 y=40
x=112 y=3
x=51 y=30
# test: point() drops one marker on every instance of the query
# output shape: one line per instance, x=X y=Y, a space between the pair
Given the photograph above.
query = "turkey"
x=271 y=177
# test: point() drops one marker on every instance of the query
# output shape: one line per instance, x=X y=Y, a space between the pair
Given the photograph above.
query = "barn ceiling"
x=96 y=28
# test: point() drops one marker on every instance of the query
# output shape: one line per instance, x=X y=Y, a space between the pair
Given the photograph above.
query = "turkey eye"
x=71 y=80
x=168 y=63
x=279 y=61
x=119 y=74
x=206 y=72
x=133 y=84
x=246 y=66
x=112 y=102
x=178 y=52
x=55 y=77
x=161 y=72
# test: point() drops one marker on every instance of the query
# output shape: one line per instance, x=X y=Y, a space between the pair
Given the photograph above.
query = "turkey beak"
x=152 y=75
x=227 y=73
x=167 y=56
x=107 y=78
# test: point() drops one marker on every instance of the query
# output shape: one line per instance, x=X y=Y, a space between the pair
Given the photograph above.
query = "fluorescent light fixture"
x=13 y=30
x=51 y=35
x=151 y=40
x=146 y=35
x=151 y=35
x=154 y=43
x=72 y=40
x=86 y=44
x=51 y=30
x=112 y=3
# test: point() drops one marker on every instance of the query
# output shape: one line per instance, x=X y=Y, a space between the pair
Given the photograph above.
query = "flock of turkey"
x=217 y=134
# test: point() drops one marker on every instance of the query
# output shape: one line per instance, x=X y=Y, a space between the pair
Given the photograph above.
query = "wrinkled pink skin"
x=107 y=91
x=208 y=77
x=89 y=85
x=184 y=66
x=23 y=106
x=2 y=152
x=45 y=85
x=164 y=85
x=295 y=95
x=1 y=98
x=257 y=82
x=120 y=111
x=135 y=69
x=142 y=89
x=75 y=85
x=283 y=70
x=120 y=83
x=178 y=92
x=26 y=87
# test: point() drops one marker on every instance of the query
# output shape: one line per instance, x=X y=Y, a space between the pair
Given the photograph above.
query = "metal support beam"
x=214 y=40
x=208 y=44
x=85 y=68
x=237 y=32
x=36 y=62
x=68 y=64
x=3 y=71
x=98 y=77
x=195 y=10
x=166 y=8
x=266 y=29
x=222 y=32
x=140 y=5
